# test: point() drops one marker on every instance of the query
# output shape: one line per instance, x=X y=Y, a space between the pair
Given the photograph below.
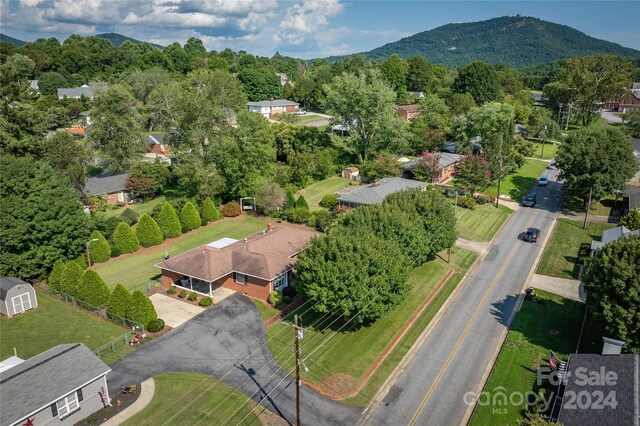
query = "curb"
x=147 y=390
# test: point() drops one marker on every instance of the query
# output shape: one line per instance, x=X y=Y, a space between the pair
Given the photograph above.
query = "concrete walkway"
x=591 y=218
x=174 y=312
x=571 y=289
x=478 y=247
x=147 y=389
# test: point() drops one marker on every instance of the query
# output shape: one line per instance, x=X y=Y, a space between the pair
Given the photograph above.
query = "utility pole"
x=499 y=172
x=586 y=214
x=298 y=337
x=544 y=140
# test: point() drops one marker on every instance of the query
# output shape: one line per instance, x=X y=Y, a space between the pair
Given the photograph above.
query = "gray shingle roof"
x=156 y=138
x=446 y=159
x=613 y=234
x=375 y=194
x=45 y=378
x=274 y=103
x=106 y=184
x=76 y=92
x=7 y=284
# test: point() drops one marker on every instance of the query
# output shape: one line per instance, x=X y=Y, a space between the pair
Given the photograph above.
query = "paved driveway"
x=174 y=312
x=229 y=343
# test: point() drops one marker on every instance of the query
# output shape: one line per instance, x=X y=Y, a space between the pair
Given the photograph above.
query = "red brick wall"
x=155 y=148
x=255 y=287
x=113 y=198
x=169 y=278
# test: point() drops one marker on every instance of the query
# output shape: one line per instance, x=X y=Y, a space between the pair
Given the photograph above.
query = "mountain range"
x=113 y=38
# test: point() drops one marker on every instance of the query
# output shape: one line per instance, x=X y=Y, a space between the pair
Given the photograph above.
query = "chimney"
x=375 y=183
x=611 y=346
x=269 y=227
x=244 y=240
x=272 y=99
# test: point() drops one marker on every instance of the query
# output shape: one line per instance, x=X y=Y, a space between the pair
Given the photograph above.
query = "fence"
x=115 y=345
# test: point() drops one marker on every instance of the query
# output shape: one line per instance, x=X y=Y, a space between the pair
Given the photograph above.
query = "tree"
x=141 y=309
x=427 y=167
x=612 y=282
x=209 y=211
x=633 y=121
x=480 y=80
x=124 y=240
x=196 y=177
x=461 y=103
x=54 y=277
x=100 y=251
x=92 y=289
x=494 y=123
x=631 y=220
x=50 y=82
x=302 y=203
x=70 y=278
x=394 y=71
x=355 y=275
x=143 y=82
x=384 y=165
x=68 y=157
x=189 y=217
x=169 y=222
x=270 y=197
x=595 y=159
x=148 y=232
x=291 y=199
x=41 y=220
x=260 y=84
x=148 y=179
x=419 y=74
x=119 y=301
x=474 y=172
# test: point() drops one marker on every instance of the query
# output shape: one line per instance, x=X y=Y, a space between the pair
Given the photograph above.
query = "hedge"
x=56 y=273
x=231 y=209
x=119 y=301
x=100 y=250
x=141 y=309
x=329 y=201
x=291 y=199
x=70 y=278
x=148 y=232
x=275 y=298
x=209 y=211
x=129 y=216
x=124 y=240
x=189 y=217
x=169 y=222
x=92 y=289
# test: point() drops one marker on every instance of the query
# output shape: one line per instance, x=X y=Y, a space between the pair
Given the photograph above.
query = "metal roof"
x=274 y=103
x=376 y=193
x=8 y=283
x=106 y=184
x=76 y=92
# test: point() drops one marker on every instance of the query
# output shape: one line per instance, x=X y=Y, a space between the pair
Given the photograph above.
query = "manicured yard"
x=481 y=223
x=604 y=207
x=550 y=150
x=266 y=311
x=341 y=361
x=137 y=270
x=314 y=192
x=189 y=398
x=561 y=253
x=141 y=208
x=536 y=329
x=53 y=322
x=518 y=184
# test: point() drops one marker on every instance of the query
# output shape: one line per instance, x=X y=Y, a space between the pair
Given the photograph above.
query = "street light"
x=88 y=243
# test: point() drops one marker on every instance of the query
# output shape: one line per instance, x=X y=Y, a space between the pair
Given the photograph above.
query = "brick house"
x=447 y=162
x=111 y=186
x=274 y=106
x=254 y=266
x=627 y=102
x=408 y=112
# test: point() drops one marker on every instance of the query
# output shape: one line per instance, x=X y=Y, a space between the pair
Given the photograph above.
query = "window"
x=281 y=281
x=67 y=405
x=241 y=278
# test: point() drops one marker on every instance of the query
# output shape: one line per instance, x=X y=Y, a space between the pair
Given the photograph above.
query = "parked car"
x=529 y=200
x=300 y=112
x=552 y=166
x=543 y=181
x=531 y=235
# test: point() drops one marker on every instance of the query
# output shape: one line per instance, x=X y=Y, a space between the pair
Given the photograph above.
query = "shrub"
x=124 y=240
x=169 y=222
x=275 y=298
x=206 y=301
x=82 y=261
x=466 y=202
x=286 y=299
x=193 y=297
x=231 y=209
x=171 y=290
x=129 y=216
x=100 y=250
x=329 y=201
x=119 y=301
x=148 y=232
x=289 y=291
x=56 y=273
x=482 y=200
x=209 y=211
x=70 y=278
x=291 y=199
x=182 y=294
x=155 y=325
x=115 y=251
x=299 y=215
x=189 y=217
x=141 y=309
x=92 y=289
x=302 y=203
x=324 y=220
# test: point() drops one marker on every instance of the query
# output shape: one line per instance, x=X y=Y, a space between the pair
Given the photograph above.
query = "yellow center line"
x=453 y=353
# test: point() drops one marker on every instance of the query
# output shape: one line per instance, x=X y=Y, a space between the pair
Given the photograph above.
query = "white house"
x=275 y=106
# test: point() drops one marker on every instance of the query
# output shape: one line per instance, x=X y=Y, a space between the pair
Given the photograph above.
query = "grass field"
x=52 y=323
x=189 y=398
x=481 y=223
x=536 y=330
x=266 y=311
x=314 y=192
x=604 y=207
x=561 y=253
x=138 y=208
x=517 y=185
x=346 y=356
x=135 y=271
x=550 y=150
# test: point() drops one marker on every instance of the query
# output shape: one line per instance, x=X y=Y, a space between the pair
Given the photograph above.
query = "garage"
x=16 y=296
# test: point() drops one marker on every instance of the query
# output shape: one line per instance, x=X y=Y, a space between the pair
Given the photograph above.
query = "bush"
x=124 y=240
x=324 y=220
x=329 y=201
x=171 y=290
x=193 y=297
x=291 y=199
x=286 y=300
x=141 y=309
x=92 y=289
x=70 y=278
x=302 y=203
x=99 y=250
x=119 y=301
x=155 y=325
x=466 y=202
x=56 y=273
x=206 y=301
x=148 y=232
x=275 y=298
x=189 y=217
x=129 y=216
x=299 y=215
x=209 y=211
x=231 y=209
x=482 y=200
x=168 y=222
x=82 y=261
x=289 y=292
x=182 y=294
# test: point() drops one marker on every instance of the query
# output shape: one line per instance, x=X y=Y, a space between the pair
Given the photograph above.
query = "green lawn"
x=314 y=192
x=536 y=330
x=352 y=351
x=561 y=252
x=518 y=184
x=604 y=207
x=189 y=398
x=138 y=208
x=136 y=271
x=52 y=323
x=550 y=150
x=481 y=223
x=266 y=311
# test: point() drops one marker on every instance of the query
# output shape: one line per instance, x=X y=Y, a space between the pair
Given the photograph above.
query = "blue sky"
x=304 y=29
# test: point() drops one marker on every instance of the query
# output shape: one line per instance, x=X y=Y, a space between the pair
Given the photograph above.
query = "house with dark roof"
x=86 y=90
x=447 y=166
x=254 y=266
x=274 y=106
x=377 y=191
x=16 y=296
x=60 y=386
x=111 y=186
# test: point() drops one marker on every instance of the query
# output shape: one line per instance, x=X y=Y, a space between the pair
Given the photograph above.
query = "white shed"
x=16 y=296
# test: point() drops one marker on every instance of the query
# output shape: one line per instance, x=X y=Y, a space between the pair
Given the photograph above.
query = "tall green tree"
x=69 y=157
x=92 y=289
x=141 y=309
x=394 y=72
x=119 y=301
x=480 y=80
x=169 y=222
x=56 y=273
x=50 y=82
x=124 y=240
x=143 y=82
x=189 y=217
x=631 y=220
x=148 y=179
x=196 y=177
x=419 y=74
x=260 y=84
x=70 y=278
x=209 y=211
x=148 y=232
x=270 y=197
x=99 y=250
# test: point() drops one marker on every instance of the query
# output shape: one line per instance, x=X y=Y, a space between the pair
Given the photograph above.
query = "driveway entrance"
x=174 y=312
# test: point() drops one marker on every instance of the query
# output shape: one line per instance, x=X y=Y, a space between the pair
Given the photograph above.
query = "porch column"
x=209 y=288
x=191 y=283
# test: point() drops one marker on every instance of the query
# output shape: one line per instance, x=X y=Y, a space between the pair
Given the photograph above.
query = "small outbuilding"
x=16 y=296
x=350 y=173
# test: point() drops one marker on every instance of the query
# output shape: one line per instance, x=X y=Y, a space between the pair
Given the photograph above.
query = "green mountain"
x=118 y=39
x=14 y=41
x=516 y=41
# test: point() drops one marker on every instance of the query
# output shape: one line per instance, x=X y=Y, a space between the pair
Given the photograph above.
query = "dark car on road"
x=529 y=200
x=531 y=235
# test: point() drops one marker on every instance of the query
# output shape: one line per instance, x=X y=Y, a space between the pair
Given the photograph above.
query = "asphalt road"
x=452 y=360
x=228 y=342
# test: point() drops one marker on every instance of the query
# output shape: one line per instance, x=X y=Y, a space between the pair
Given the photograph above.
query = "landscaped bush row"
x=193 y=296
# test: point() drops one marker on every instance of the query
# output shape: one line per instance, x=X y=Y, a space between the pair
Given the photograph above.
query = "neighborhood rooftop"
x=379 y=190
x=613 y=234
x=106 y=184
x=445 y=160
x=41 y=380
x=274 y=103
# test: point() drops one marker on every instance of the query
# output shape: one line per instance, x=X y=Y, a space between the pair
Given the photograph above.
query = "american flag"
x=554 y=361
